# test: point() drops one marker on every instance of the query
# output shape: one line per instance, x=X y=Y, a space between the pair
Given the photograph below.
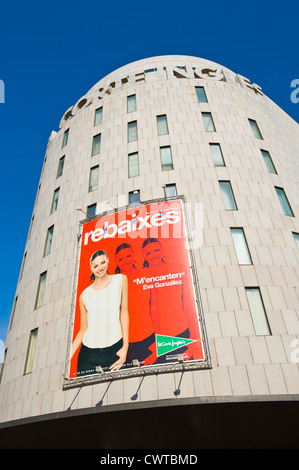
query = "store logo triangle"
x=166 y=344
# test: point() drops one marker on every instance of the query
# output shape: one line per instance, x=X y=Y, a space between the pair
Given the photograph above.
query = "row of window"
x=170 y=190
x=132 y=106
x=225 y=186
x=161 y=122
x=134 y=197
x=167 y=164
x=230 y=202
x=133 y=166
x=162 y=129
x=167 y=161
x=219 y=160
x=165 y=151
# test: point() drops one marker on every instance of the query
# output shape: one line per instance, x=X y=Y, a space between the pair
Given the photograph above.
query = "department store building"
x=155 y=130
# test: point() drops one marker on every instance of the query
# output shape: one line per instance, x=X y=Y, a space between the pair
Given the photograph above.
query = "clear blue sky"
x=52 y=53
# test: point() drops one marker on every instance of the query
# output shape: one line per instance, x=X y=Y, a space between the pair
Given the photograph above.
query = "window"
x=268 y=161
x=65 y=138
x=241 y=246
x=133 y=165
x=284 y=202
x=40 y=290
x=162 y=125
x=49 y=238
x=44 y=164
x=227 y=195
x=55 y=200
x=93 y=178
x=12 y=314
x=134 y=196
x=255 y=129
x=166 y=158
x=37 y=194
x=170 y=190
x=201 y=94
x=208 y=122
x=296 y=237
x=96 y=144
x=30 y=227
x=22 y=266
x=31 y=351
x=217 y=155
x=92 y=210
x=257 y=310
x=131 y=103
x=132 y=131
x=60 y=167
x=98 y=116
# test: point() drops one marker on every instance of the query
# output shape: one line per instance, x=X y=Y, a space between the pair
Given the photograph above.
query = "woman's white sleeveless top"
x=103 y=314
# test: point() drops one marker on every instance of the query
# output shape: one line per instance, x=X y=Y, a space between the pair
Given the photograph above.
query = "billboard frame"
x=139 y=371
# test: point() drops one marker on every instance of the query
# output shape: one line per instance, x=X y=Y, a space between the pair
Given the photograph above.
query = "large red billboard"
x=135 y=302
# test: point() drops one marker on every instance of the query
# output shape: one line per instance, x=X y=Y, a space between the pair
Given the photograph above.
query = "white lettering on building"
x=199 y=72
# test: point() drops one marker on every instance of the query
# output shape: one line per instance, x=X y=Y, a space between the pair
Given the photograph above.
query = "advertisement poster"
x=135 y=303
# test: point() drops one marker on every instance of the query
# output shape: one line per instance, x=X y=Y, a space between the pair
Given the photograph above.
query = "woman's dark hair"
x=123 y=246
x=147 y=242
x=150 y=240
x=94 y=256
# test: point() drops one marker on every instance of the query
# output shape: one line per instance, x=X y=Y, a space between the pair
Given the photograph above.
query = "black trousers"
x=90 y=358
x=140 y=350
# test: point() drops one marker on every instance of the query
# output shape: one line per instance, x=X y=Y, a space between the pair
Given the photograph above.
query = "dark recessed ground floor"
x=167 y=424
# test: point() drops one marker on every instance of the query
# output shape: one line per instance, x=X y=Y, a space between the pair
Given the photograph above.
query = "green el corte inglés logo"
x=166 y=344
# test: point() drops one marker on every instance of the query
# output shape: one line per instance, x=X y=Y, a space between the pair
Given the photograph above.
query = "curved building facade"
x=167 y=126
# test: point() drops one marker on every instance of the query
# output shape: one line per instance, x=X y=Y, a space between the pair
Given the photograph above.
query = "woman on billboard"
x=141 y=330
x=172 y=307
x=104 y=319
